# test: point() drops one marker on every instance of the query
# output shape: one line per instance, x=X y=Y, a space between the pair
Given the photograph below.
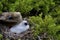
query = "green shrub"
x=1 y=36
x=25 y=6
x=46 y=25
x=48 y=21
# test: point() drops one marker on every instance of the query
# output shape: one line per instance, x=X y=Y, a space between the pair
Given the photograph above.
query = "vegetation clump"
x=44 y=15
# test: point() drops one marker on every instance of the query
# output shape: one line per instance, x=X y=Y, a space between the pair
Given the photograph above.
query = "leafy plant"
x=1 y=36
x=46 y=25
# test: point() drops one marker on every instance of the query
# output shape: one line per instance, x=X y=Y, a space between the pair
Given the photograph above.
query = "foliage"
x=1 y=36
x=25 y=6
x=48 y=11
x=47 y=25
